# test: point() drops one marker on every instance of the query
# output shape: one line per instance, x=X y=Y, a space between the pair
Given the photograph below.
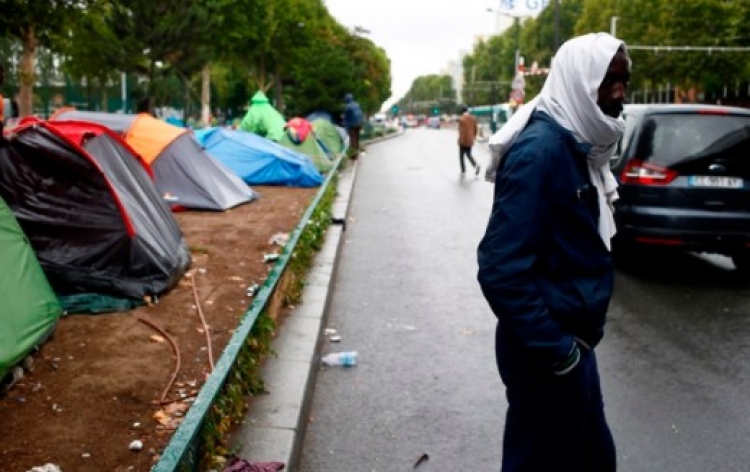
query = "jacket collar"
x=582 y=148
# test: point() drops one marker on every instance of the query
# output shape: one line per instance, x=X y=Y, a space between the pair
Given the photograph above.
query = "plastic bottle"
x=346 y=359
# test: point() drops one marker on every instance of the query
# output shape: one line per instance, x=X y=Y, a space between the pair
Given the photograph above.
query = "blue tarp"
x=173 y=120
x=257 y=160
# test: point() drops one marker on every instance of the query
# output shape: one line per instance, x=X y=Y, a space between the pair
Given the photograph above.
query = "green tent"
x=263 y=119
x=311 y=148
x=328 y=135
x=29 y=310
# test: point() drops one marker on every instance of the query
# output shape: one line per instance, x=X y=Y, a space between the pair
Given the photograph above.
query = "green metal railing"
x=184 y=451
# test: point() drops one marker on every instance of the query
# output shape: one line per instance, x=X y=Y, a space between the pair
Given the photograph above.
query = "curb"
x=275 y=424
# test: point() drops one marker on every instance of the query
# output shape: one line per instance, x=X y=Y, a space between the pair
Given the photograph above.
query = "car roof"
x=640 y=109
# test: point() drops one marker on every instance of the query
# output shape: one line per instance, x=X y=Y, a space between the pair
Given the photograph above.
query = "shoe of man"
x=477 y=169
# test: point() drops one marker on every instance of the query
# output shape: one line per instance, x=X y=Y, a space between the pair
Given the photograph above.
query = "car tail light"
x=643 y=173
x=713 y=112
x=660 y=241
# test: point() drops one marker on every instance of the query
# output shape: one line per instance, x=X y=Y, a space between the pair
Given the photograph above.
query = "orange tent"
x=184 y=174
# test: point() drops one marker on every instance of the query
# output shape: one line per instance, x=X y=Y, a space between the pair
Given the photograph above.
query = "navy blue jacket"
x=543 y=267
x=353 y=115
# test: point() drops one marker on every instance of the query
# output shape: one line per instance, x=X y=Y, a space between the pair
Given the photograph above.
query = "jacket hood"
x=259 y=97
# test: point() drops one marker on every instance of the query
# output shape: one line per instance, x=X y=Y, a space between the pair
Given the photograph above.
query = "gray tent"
x=184 y=174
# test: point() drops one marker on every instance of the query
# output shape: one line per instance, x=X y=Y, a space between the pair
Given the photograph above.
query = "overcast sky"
x=419 y=36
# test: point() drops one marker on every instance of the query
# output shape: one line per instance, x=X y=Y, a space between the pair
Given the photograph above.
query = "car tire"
x=742 y=262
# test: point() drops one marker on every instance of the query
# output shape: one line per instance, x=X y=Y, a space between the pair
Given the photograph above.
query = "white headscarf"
x=570 y=96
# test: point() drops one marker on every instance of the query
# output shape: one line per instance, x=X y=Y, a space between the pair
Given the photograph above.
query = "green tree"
x=428 y=92
x=32 y=22
x=671 y=26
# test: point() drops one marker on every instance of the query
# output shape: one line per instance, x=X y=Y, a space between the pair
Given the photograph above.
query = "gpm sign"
x=523 y=7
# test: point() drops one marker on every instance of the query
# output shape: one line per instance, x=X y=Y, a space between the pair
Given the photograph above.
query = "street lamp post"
x=516 y=62
x=493 y=96
x=516 y=41
x=613 y=25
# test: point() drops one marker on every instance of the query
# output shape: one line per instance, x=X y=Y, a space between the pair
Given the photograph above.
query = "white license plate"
x=716 y=181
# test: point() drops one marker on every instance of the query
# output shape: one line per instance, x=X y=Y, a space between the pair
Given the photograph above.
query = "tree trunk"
x=279 y=89
x=27 y=72
x=186 y=98
x=206 y=96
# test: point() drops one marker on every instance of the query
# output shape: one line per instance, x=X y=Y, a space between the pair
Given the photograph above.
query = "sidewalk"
x=275 y=423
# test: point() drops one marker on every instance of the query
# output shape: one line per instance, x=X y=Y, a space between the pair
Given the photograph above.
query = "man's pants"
x=354 y=139
x=554 y=423
x=465 y=151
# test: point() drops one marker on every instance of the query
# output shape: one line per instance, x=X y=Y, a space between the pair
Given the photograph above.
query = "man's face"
x=614 y=85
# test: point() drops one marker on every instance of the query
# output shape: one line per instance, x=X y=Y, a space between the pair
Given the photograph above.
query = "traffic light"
x=394 y=109
x=436 y=111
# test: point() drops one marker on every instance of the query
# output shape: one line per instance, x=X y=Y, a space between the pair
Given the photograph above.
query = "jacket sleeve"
x=508 y=253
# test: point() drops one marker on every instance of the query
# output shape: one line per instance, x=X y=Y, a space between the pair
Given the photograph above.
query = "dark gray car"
x=684 y=174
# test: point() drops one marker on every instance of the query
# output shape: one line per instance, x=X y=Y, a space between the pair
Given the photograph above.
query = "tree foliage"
x=664 y=23
x=292 y=49
x=32 y=23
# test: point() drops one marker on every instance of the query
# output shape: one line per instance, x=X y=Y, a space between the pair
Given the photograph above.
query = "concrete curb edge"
x=275 y=424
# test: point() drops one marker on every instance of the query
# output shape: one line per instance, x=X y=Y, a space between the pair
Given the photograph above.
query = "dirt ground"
x=95 y=386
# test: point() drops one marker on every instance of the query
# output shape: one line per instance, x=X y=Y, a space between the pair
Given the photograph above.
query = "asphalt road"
x=674 y=361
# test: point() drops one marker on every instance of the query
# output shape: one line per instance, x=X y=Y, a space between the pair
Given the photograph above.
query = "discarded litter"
x=270 y=257
x=346 y=359
x=48 y=467
x=423 y=458
x=252 y=290
x=279 y=239
x=333 y=335
x=136 y=445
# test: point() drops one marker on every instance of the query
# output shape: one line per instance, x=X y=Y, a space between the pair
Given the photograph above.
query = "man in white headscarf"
x=544 y=263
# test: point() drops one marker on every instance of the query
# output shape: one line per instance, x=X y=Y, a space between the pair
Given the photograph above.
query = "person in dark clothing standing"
x=467 y=134
x=353 y=119
x=545 y=266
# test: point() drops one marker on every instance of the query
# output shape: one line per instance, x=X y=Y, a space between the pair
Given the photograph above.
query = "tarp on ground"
x=183 y=173
x=263 y=119
x=29 y=309
x=91 y=212
x=257 y=160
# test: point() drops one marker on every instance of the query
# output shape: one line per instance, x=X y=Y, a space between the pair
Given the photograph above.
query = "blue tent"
x=257 y=160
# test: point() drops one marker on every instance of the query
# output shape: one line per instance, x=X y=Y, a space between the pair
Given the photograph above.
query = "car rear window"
x=670 y=138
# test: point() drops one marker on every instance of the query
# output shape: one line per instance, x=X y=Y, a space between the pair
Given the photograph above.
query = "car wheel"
x=742 y=262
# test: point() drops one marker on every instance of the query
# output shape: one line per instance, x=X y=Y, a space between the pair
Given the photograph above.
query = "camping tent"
x=91 y=212
x=263 y=119
x=30 y=309
x=332 y=138
x=183 y=173
x=310 y=147
x=257 y=160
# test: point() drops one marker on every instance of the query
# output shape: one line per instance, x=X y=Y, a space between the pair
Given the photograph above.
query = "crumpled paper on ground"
x=241 y=465
x=49 y=467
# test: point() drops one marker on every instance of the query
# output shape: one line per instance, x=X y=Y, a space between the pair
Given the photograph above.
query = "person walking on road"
x=545 y=266
x=467 y=133
x=353 y=120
